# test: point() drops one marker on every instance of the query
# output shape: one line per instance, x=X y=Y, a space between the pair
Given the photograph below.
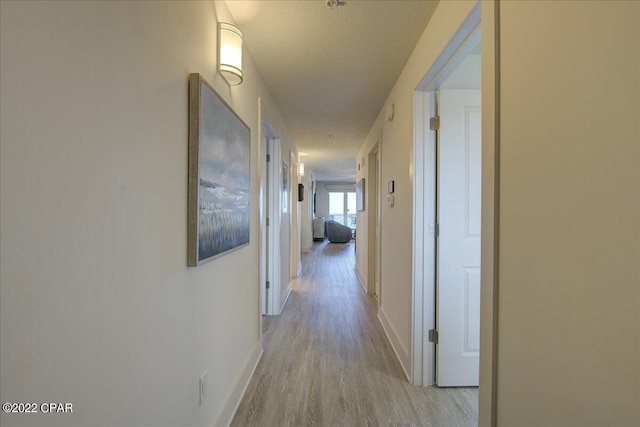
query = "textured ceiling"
x=330 y=70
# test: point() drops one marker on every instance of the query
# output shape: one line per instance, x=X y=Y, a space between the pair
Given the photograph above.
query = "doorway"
x=269 y=219
x=447 y=199
x=374 y=223
x=424 y=209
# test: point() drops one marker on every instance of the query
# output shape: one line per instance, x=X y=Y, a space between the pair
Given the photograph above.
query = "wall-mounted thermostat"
x=391 y=186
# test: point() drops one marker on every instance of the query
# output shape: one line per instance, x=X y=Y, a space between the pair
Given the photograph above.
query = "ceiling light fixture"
x=332 y=4
x=230 y=53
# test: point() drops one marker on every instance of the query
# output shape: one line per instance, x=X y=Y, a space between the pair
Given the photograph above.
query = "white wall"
x=569 y=307
x=98 y=307
x=396 y=149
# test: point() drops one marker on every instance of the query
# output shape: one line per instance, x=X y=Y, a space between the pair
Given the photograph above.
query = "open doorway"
x=374 y=223
x=447 y=195
x=270 y=195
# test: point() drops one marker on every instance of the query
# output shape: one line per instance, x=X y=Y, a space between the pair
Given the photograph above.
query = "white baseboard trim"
x=362 y=280
x=233 y=399
x=401 y=352
x=305 y=249
x=286 y=298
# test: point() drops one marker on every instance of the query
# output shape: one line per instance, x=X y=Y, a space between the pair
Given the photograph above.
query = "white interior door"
x=458 y=269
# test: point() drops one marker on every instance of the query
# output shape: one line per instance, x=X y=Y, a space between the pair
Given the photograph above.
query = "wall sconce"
x=230 y=53
x=390 y=112
x=301 y=169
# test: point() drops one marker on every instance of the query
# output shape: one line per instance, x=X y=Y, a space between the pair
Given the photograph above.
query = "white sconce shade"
x=230 y=53
x=301 y=169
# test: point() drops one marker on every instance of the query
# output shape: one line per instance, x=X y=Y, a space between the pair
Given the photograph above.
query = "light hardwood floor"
x=327 y=361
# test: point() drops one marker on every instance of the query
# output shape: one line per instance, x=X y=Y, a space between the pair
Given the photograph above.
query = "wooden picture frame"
x=218 y=206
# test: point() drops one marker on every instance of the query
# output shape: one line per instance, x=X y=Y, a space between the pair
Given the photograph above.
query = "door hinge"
x=268 y=158
x=436 y=230
x=433 y=336
x=267 y=222
x=434 y=123
x=268 y=284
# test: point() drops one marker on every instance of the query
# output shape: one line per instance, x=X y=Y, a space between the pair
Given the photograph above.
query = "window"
x=342 y=207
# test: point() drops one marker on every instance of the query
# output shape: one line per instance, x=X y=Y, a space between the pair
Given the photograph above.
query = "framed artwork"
x=360 y=195
x=285 y=187
x=218 y=212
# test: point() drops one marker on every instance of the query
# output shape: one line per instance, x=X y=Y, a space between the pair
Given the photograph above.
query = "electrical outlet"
x=203 y=387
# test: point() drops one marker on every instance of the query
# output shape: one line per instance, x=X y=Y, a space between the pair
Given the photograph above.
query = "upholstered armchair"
x=337 y=233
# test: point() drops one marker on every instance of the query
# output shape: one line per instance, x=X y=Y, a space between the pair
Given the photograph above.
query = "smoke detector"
x=332 y=4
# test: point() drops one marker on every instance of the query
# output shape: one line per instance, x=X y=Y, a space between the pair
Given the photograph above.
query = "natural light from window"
x=342 y=207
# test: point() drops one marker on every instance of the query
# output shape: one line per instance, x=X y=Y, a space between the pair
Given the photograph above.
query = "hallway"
x=327 y=361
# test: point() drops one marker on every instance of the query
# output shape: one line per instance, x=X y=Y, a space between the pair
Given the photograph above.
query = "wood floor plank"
x=327 y=361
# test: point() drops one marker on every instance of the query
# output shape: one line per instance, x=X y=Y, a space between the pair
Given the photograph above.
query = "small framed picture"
x=360 y=195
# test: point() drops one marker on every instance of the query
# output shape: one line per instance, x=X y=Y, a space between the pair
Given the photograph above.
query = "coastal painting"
x=219 y=176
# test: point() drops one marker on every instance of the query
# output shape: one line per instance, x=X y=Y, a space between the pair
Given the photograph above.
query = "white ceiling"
x=330 y=70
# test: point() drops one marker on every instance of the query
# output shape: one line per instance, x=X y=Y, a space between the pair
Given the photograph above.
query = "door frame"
x=294 y=217
x=264 y=206
x=423 y=274
x=425 y=196
x=373 y=220
x=269 y=235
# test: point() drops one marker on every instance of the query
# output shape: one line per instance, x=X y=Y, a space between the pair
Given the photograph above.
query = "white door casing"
x=378 y=228
x=371 y=188
x=264 y=235
x=270 y=213
x=275 y=215
x=459 y=217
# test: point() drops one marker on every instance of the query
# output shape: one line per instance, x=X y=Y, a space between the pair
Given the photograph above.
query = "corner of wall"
x=396 y=343
x=233 y=399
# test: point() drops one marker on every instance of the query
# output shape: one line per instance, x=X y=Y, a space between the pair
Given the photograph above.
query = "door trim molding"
x=424 y=243
x=272 y=274
x=275 y=216
x=453 y=53
x=490 y=252
x=373 y=216
x=424 y=188
x=423 y=274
